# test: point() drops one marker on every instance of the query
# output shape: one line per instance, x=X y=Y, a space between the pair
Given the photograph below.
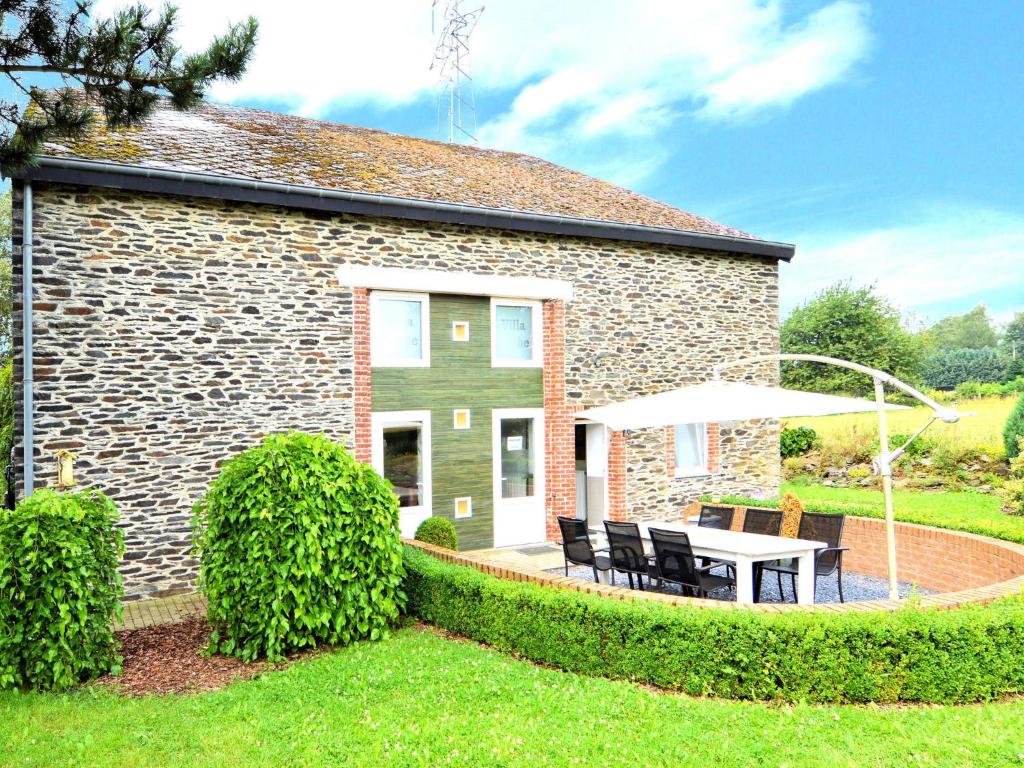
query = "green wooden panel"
x=460 y=376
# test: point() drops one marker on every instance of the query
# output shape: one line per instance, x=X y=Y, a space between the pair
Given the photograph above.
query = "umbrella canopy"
x=716 y=401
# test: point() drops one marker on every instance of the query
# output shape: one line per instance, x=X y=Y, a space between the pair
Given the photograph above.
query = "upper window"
x=516 y=339
x=691 y=449
x=400 y=330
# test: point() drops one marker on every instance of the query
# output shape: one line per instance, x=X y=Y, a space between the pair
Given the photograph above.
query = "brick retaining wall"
x=963 y=567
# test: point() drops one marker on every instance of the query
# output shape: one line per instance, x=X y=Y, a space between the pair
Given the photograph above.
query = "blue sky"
x=884 y=139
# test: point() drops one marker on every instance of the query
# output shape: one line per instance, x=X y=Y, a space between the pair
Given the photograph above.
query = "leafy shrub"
x=918 y=449
x=973 y=390
x=797 y=441
x=298 y=545
x=858 y=473
x=59 y=589
x=792 y=510
x=795 y=467
x=439 y=531
x=1014 y=429
x=1012 y=495
x=947 y=369
x=1012 y=492
x=972 y=653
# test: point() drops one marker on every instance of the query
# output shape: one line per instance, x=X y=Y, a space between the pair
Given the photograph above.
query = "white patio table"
x=743 y=549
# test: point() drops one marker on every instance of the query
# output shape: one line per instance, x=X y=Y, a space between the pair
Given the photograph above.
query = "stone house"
x=443 y=310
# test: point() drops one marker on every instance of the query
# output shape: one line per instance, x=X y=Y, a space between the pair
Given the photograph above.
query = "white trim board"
x=464 y=283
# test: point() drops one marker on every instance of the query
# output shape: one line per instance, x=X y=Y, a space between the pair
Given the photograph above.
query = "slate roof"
x=267 y=146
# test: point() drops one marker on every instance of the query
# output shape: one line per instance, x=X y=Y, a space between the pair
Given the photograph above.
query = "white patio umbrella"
x=718 y=401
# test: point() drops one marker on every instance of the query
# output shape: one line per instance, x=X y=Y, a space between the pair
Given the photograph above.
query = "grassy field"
x=417 y=699
x=981 y=428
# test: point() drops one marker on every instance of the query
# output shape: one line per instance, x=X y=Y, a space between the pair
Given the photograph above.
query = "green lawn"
x=976 y=512
x=417 y=699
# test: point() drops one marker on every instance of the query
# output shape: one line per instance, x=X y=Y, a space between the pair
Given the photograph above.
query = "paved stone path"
x=162 y=610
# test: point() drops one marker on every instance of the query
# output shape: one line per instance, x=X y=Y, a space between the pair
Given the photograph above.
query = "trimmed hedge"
x=298 y=546
x=973 y=653
x=59 y=589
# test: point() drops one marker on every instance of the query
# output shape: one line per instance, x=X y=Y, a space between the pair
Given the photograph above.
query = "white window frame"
x=375 y=312
x=410 y=517
x=537 y=340
x=469 y=507
x=456 y=324
x=696 y=471
x=455 y=419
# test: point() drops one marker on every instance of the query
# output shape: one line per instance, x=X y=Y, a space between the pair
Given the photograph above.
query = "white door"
x=401 y=453
x=597 y=475
x=518 y=435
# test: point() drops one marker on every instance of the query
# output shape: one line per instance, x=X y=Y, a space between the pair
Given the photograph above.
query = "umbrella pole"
x=885 y=469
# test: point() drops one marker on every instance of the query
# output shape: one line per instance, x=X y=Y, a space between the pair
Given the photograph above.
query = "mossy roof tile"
x=267 y=146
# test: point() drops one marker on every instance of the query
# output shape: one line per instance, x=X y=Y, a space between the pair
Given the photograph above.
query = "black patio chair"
x=716 y=516
x=767 y=522
x=577 y=549
x=675 y=562
x=816 y=526
x=627 y=551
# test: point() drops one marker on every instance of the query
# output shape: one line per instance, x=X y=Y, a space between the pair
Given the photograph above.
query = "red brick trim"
x=616 y=475
x=361 y=374
x=714 y=448
x=559 y=438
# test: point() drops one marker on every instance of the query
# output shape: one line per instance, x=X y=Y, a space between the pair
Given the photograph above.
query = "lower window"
x=691 y=449
x=401 y=454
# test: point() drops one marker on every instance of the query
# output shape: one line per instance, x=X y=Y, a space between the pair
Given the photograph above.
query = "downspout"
x=26 y=331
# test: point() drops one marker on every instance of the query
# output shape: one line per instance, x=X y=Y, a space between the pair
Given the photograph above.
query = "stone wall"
x=173 y=332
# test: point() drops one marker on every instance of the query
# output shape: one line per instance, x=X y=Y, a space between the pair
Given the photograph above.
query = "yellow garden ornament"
x=65 y=468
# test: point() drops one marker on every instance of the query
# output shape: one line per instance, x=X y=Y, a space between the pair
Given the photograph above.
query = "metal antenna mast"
x=451 y=61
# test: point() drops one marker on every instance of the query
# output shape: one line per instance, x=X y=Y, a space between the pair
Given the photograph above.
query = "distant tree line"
x=856 y=323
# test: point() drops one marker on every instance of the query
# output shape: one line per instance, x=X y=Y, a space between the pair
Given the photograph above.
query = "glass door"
x=401 y=454
x=518 y=476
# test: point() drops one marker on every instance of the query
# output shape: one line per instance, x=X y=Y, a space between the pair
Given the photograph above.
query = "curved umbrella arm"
x=947 y=415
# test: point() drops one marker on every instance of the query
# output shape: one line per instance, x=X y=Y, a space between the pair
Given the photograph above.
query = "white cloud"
x=815 y=53
x=948 y=257
x=587 y=69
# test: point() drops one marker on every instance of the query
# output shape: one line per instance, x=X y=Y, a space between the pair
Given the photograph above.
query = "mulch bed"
x=169 y=658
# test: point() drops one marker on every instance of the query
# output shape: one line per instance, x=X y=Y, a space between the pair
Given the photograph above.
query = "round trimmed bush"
x=298 y=545
x=439 y=531
x=59 y=589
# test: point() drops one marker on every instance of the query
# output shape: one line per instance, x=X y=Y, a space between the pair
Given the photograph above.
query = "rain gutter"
x=139 y=178
x=26 y=339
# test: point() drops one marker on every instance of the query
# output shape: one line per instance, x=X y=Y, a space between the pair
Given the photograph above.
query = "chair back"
x=627 y=548
x=767 y=522
x=818 y=526
x=716 y=516
x=674 y=557
x=575 y=541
